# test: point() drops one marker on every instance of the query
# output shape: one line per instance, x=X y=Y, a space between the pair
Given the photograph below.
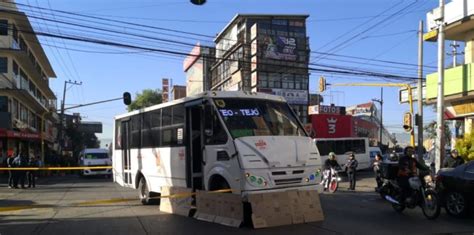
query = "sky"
x=373 y=29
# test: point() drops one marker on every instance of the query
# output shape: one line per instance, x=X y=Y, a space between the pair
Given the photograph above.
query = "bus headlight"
x=255 y=180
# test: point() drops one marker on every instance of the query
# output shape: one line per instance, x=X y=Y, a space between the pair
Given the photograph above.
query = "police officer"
x=351 y=167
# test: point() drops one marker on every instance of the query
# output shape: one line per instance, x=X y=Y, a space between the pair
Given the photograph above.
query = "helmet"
x=332 y=155
x=408 y=148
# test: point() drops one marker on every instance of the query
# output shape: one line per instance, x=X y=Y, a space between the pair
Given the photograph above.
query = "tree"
x=430 y=130
x=465 y=147
x=146 y=98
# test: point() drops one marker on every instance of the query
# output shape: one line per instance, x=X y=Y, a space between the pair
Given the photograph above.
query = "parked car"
x=456 y=188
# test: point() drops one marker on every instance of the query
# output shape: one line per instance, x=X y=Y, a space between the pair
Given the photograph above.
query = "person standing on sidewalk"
x=32 y=173
x=11 y=173
x=376 y=165
x=21 y=161
x=351 y=167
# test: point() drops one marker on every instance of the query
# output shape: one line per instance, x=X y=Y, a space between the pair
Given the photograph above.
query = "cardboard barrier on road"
x=268 y=209
x=176 y=205
x=222 y=208
x=284 y=208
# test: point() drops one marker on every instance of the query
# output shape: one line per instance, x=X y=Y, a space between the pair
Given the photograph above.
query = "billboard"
x=195 y=78
x=279 y=48
x=331 y=125
x=292 y=96
x=326 y=109
x=90 y=127
x=165 y=86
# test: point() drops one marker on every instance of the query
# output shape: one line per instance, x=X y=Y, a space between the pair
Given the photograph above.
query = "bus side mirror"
x=208 y=132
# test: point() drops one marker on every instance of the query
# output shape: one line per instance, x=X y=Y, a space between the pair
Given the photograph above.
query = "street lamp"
x=380 y=101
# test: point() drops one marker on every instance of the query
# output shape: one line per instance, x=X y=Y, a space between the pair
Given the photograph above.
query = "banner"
x=279 y=48
x=332 y=126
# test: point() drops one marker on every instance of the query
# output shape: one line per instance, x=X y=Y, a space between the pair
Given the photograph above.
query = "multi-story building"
x=27 y=103
x=197 y=67
x=459 y=78
x=265 y=53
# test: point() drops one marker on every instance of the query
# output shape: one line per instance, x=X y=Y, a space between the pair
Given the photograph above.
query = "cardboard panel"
x=222 y=208
x=175 y=205
x=284 y=208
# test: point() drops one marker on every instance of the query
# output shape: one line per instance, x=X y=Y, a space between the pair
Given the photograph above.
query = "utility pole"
x=380 y=101
x=61 y=117
x=455 y=53
x=440 y=100
x=419 y=120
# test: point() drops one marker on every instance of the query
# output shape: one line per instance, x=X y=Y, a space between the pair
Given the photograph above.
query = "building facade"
x=178 y=92
x=459 y=78
x=27 y=104
x=265 y=53
x=197 y=67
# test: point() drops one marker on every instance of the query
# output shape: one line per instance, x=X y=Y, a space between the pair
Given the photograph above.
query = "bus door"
x=194 y=149
x=125 y=140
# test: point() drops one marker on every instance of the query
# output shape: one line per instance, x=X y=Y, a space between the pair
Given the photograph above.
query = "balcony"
x=458 y=83
x=458 y=17
x=23 y=84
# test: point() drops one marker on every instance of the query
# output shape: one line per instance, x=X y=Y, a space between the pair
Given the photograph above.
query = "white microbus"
x=95 y=157
x=342 y=147
x=247 y=142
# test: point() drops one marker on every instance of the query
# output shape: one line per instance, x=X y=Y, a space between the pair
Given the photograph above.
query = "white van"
x=95 y=157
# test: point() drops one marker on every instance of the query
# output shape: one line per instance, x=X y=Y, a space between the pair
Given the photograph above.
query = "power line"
x=371 y=27
x=173 y=41
x=177 y=53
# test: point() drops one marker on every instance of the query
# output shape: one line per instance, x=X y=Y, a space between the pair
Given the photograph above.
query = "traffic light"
x=127 y=98
x=198 y=2
x=322 y=84
x=407 y=121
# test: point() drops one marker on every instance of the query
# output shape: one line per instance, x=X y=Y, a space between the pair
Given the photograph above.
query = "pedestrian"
x=21 y=161
x=350 y=168
x=453 y=160
x=376 y=166
x=33 y=162
x=11 y=173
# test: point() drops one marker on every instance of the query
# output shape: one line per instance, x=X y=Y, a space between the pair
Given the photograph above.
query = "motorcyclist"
x=407 y=168
x=331 y=162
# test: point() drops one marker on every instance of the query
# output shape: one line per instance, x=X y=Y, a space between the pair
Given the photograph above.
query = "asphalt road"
x=72 y=205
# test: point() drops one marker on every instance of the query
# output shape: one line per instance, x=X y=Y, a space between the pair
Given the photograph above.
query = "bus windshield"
x=252 y=117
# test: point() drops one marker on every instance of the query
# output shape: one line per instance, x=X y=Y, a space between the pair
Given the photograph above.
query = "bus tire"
x=144 y=193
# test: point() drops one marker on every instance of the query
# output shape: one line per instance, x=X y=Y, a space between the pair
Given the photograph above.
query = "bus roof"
x=208 y=94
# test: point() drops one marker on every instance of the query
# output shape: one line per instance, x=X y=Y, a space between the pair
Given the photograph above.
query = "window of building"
x=14 y=109
x=3 y=27
x=15 y=33
x=3 y=103
x=16 y=69
x=3 y=65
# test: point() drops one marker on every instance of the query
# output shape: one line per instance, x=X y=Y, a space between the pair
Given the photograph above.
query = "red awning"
x=19 y=134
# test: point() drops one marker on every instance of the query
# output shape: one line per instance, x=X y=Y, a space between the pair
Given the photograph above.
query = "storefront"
x=18 y=141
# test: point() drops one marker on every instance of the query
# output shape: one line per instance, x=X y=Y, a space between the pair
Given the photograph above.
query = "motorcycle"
x=331 y=179
x=423 y=195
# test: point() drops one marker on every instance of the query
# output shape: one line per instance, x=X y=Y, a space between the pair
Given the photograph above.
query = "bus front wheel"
x=144 y=193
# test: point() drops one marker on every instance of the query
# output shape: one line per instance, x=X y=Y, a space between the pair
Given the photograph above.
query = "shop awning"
x=19 y=134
